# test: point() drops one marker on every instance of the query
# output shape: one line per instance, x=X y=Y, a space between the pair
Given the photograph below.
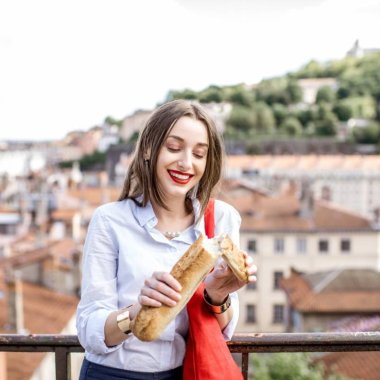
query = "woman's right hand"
x=160 y=289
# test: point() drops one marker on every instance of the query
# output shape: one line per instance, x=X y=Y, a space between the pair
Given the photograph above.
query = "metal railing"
x=243 y=343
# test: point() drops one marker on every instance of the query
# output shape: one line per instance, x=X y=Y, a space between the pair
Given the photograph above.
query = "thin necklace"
x=171 y=235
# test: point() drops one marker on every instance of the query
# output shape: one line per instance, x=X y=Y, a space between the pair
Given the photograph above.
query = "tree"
x=294 y=92
x=280 y=113
x=109 y=120
x=343 y=111
x=241 y=96
x=326 y=123
x=325 y=94
x=291 y=126
x=184 y=94
x=241 y=120
x=367 y=135
x=211 y=94
x=264 y=119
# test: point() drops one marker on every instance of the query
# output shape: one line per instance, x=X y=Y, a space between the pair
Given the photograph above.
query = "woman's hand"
x=160 y=289
x=221 y=281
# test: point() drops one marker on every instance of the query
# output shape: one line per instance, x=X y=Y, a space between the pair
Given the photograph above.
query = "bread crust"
x=234 y=258
x=190 y=270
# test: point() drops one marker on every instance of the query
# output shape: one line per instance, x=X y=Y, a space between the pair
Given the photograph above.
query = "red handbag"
x=207 y=355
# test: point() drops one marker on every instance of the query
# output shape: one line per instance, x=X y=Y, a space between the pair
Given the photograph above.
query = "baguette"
x=233 y=257
x=189 y=271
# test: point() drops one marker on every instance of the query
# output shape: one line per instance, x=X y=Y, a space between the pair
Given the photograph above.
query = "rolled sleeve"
x=229 y=330
x=99 y=286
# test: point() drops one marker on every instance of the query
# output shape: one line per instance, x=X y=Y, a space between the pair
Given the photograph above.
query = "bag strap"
x=209 y=218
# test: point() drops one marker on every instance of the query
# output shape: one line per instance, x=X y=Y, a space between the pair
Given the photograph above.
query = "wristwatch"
x=217 y=309
x=124 y=322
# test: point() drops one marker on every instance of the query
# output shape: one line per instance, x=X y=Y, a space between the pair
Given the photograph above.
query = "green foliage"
x=367 y=135
x=264 y=119
x=280 y=113
x=278 y=90
x=325 y=94
x=211 y=94
x=361 y=107
x=240 y=96
x=111 y=121
x=291 y=126
x=274 y=104
x=288 y=366
x=185 y=94
x=95 y=160
x=326 y=123
x=343 y=111
x=92 y=161
x=241 y=119
x=305 y=116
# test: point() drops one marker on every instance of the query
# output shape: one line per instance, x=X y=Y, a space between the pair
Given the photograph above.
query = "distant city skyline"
x=67 y=65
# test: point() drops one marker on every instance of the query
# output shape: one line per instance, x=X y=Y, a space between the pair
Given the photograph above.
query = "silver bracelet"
x=217 y=309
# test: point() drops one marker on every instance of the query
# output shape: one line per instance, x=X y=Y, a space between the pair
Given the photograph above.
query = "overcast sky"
x=66 y=65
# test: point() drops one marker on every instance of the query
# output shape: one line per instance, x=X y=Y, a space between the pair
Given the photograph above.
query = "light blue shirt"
x=122 y=249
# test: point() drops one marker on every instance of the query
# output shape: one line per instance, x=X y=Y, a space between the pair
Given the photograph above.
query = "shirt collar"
x=145 y=214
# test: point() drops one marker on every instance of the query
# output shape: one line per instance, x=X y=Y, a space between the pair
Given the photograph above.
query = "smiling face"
x=182 y=158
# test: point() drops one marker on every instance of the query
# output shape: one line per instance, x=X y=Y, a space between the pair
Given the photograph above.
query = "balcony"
x=243 y=343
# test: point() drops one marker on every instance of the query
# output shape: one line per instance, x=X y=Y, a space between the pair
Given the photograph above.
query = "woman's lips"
x=180 y=177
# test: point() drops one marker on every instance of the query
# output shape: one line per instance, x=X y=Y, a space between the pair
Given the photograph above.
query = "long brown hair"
x=141 y=179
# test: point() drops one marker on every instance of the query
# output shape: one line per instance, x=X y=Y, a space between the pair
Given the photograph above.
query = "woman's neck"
x=175 y=218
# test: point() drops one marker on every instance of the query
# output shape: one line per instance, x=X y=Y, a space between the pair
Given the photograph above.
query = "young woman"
x=132 y=245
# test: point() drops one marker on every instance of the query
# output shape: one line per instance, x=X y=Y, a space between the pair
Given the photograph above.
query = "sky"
x=67 y=64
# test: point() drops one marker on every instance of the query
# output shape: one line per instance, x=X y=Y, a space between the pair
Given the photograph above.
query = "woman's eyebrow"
x=182 y=140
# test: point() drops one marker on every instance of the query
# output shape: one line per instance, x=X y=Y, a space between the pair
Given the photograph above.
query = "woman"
x=132 y=245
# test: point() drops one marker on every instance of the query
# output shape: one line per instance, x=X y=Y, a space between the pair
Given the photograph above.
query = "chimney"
x=15 y=301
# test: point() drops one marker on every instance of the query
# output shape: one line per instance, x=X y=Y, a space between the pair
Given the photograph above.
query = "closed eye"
x=174 y=150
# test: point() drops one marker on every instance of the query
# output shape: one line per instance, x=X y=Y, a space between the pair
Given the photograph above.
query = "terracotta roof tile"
x=96 y=195
x=306 y=298
x=357 y=365
x=45 y=312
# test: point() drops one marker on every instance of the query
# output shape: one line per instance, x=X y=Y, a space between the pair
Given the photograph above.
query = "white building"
x=351 y=181
x=289 y=231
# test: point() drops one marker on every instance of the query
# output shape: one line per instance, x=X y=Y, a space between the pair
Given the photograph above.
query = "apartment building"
x=293 y=229
x=351 y=181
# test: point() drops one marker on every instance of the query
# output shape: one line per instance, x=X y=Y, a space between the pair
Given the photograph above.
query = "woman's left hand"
x=221 y=281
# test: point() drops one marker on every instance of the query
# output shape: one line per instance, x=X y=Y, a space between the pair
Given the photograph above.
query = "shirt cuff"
x=95 y=333
x=229 y=330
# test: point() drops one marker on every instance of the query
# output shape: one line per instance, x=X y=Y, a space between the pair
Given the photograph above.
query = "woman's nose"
x=185 y=162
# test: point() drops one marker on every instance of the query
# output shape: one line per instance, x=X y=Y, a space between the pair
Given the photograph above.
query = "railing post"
x=62 y=363
x=244 y=364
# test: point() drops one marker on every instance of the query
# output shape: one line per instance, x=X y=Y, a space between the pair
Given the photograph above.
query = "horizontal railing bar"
x=241 y=342
x=305 y=342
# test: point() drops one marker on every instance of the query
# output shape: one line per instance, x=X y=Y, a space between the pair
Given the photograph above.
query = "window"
x=279 y=245
x=345 y=245
x=250 y=314
x=323 y=246
x=278 y=313
x=277 y=276
x=301 y=245
x=252 y=246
